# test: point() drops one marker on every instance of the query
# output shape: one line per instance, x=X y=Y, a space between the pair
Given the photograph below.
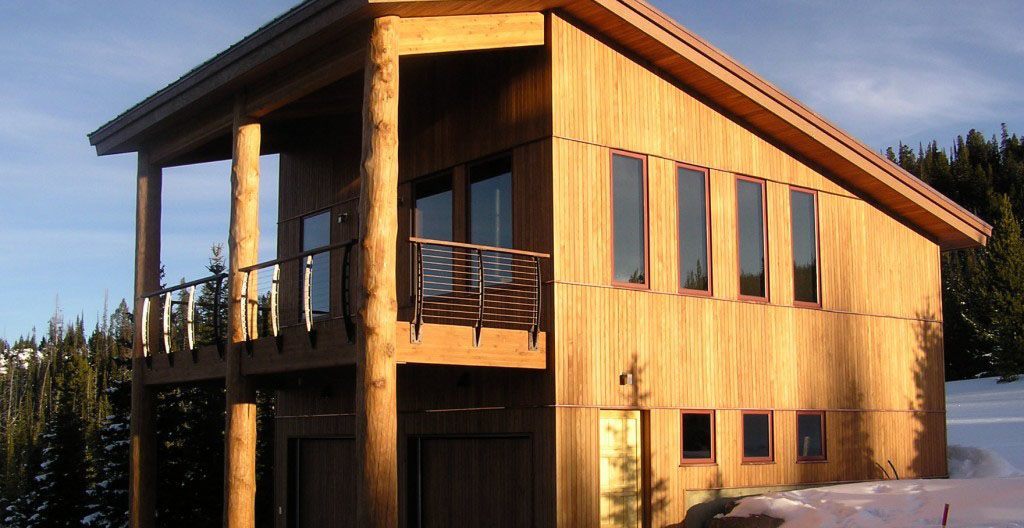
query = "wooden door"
x=621 y=481
x=321 y=483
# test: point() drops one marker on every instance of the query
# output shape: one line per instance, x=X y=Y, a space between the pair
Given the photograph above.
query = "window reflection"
x=628 y=201
x=750 y=220
x=805 y=246
x=694 y=270
x=316 y=233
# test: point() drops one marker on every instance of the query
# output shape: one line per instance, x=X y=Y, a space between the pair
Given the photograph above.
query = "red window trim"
x=824 y=439
x=714 y=452
x=771 y=438
x=646 y=285
x=817 y=244
x=764 y=238
x=707 y=226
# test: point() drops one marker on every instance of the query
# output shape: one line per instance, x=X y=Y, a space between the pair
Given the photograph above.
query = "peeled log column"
x=376 y=408
x=243 y=239
x=142 y=464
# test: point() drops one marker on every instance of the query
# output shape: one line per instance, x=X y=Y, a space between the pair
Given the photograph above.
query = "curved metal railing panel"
x=478 y=286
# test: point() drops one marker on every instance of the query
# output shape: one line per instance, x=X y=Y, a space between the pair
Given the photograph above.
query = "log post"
x=376 y=406
x=243 y=239
x=142 y=463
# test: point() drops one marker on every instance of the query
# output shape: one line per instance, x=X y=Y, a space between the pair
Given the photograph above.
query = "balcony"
x=469 y=305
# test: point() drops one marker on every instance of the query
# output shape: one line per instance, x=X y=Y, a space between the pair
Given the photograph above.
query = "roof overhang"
x=633 y=25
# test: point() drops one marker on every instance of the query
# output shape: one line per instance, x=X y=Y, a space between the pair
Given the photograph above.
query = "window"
x=316 y=233
x=750 y=207
x=692 y=203
x=432 y=219
x=757 y=436
x=810 y=435
x=490 y=203
x=629 y=219
x=432 y=210
x=804 y=219
x=698 y=437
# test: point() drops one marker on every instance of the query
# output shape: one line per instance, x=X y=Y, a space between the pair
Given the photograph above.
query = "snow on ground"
x=975 y=503
x=986 y=435
x=983 y=413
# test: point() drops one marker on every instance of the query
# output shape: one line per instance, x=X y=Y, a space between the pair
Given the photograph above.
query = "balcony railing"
x=194 y=314
x=454 y=284
x=191 y=315
x=261 y=292
x=474 y=285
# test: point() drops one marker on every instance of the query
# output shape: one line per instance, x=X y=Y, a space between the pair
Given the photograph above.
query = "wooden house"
x=540 y=263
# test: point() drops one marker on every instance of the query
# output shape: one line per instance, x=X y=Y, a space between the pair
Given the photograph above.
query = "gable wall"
x=871 y=357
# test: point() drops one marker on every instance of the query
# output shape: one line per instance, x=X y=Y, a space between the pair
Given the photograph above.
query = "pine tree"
x=1006 y=292
x=108 y=494
x=60 y=494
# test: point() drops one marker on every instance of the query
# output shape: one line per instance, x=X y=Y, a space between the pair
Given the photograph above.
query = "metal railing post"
x=478 y=327
x=535 y=328
x=346 y=292
x=307 y=302
x=190 y=323
x=417 y=321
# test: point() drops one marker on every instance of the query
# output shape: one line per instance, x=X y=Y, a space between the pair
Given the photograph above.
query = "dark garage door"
x=321 y=483
x=471 y=481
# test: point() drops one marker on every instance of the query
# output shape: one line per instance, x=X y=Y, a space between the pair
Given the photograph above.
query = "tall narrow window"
x=810 y=435
x=698 y=437
x=316 y=233
x=750 y=207
x=432 y=211
x=432 y=219
x=757 y=436
x=804 y=219
x=692 y=202
x=629 y=219
x=490 y=203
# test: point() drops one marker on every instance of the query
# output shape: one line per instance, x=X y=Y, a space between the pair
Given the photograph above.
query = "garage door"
x=321 y=483
x=471 y=481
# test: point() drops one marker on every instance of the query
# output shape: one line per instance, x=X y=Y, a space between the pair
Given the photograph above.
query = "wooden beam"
x=376 y=406
x=302 y=79
x=446 y=34
x=243 y=240
x=142 y=463
x=216 y=121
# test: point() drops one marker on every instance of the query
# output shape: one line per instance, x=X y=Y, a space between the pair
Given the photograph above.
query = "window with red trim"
x=629 y=219
x=698 y=437
x=758 y=433
x=810 y=436
x=804 y=223
x=752 y=230
x=693 y=230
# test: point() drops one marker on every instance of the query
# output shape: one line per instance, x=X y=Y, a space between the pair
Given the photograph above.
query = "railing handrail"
x=185 y=285
x=298 y=256
x=417 y=240
x=470 y=276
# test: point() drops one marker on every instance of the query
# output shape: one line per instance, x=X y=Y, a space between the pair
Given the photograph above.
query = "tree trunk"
x=243 y=247
x=376 y=406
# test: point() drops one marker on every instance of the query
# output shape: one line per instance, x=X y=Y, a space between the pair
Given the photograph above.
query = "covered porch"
x=369 y=292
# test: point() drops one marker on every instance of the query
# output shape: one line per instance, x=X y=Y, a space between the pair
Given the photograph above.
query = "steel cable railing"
x=478 y=286
x=307 y=278
x=190 y=315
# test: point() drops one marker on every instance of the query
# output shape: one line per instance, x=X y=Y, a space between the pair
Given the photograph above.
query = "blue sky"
x=883 y=70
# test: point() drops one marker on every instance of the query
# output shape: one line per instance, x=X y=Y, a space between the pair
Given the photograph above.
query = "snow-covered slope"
x=986 y=435
x=983 y=413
